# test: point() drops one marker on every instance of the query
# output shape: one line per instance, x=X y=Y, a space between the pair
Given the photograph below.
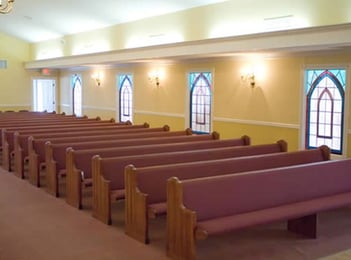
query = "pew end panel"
x=3 y=135
x=136 y=215
x=180 y=234
x=21 y=153
x=6 y=154
x=18 y=157
x=73 y=181
x=33 y=163
x=52 y=180
x=101 y=193
x=51 y=170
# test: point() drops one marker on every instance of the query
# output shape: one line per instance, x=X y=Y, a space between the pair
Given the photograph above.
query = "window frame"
x=306 y=89
x=75 y=78
x=121 y=79
x=190 y=104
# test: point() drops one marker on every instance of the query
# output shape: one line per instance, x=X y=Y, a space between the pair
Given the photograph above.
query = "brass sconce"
x=98 y=78
x=249 y=78
x=7 y=7
x=154 y=78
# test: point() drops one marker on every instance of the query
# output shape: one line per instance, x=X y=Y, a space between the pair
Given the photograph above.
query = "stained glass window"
x=77 y=95
x=200 y=101
x=125 y=98
x=325 y=93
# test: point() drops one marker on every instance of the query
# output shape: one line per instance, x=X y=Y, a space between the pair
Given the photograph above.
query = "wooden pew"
x=45 y=122
x=108 y=173
x=53 y=125
x=7 y=115
x=80 y=161
x=30 y=119
x=296 y=194
x=21 y=151
x=36 y=144
x=145 y=195
x=55 y=151
x=7 y=133
x=9 y=137
x=27 y=122
x=16 y=117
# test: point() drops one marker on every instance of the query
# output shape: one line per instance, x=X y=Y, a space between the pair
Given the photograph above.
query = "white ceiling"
x=38 y=20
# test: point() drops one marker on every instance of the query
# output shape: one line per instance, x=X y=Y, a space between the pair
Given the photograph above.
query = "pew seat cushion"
x=117 y=194
x=157 y=209
x=264 y=216
x=87 y=182
x=268 y=188
x=62 y=173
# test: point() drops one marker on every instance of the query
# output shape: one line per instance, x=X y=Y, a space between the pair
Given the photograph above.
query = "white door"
x=44 y=98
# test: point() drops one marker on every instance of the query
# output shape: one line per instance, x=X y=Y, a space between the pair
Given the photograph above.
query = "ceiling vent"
x=3 y=64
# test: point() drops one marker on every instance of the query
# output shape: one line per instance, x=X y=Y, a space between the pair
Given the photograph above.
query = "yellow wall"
x=15 y=83
x=268 y=112
x=259 y=134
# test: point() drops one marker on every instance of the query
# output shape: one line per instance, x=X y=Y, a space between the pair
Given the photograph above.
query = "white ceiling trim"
x=326 y=38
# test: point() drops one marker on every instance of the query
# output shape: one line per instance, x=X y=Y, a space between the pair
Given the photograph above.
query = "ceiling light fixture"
x=6 y=8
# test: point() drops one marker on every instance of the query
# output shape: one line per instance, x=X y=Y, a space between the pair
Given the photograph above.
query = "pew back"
x=148 y=184
x=78 y=162
x=295 y=193
x=145 y=187
x=113 y=168
x=108 y=173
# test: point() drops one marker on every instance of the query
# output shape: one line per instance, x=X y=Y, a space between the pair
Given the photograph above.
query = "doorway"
x=44 y=95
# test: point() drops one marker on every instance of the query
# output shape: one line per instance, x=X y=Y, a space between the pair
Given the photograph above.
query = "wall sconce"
x=154 y=78
x=249 y=78
x=98 y=78
x=6 y=8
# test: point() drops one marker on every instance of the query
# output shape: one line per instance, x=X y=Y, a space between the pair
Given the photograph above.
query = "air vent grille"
x=3 y=64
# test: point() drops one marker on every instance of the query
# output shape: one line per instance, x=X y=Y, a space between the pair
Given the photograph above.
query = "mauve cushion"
x=264 y=216
x=228 y=195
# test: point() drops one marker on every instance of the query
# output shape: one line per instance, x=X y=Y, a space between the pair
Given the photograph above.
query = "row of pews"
x=206 y=186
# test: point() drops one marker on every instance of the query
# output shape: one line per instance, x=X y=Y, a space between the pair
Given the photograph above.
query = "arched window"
x=77 y=95
x=125 y=98
x=325 y=108
x=200 y=101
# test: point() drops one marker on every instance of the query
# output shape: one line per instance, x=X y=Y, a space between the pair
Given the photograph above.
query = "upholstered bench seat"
x=264 y=216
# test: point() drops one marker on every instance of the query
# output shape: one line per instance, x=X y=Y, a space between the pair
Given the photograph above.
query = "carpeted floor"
x=35 y=225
